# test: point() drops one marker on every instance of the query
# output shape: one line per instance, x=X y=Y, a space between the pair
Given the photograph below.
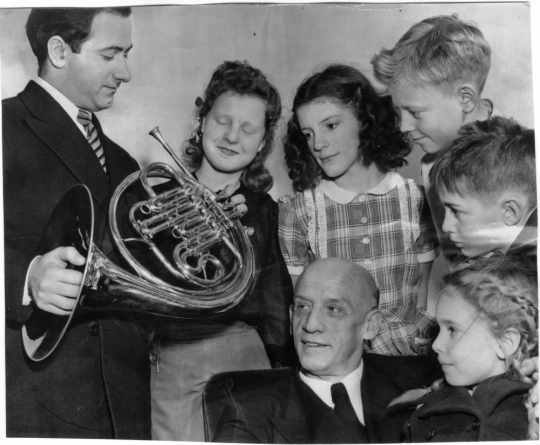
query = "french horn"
x=206 y=268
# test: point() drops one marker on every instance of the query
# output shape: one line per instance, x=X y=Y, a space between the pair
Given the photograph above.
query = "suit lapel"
x=292 y=425
x=307 y=419
x=59 y=133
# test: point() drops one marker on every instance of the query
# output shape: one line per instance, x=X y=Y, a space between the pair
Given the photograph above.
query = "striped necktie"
x=85 y=118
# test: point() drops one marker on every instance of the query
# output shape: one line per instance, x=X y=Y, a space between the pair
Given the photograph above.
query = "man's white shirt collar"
x=64 y=102
x=352 y=382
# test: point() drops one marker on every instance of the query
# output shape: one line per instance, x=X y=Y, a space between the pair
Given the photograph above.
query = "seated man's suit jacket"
x=96 y=383
x=276 y=406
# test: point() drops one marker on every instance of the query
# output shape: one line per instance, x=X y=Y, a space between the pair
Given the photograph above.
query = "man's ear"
x=514 y=208
x=468 y=98
x=58 y=51
x=372 y=324
x=508 y=343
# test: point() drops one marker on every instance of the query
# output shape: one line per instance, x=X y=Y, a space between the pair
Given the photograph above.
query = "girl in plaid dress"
x=342 y=148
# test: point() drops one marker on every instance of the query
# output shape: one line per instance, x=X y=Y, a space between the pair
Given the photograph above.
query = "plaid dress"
x=387 y=230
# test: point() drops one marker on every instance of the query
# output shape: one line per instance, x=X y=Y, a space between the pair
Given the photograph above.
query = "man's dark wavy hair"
x=381 y=142
x=240 y=78
x=72 y=24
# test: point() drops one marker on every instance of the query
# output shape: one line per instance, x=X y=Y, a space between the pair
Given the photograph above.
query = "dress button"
x=430 y=434
x=361 y=198
x=365 y=240
x=475 y=425
x=364 y=219
x=367 y=262
x=94 y=330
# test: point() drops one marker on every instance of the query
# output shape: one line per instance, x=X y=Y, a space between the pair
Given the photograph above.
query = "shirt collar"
x=352 y=382
x=68 y=106
x=342 y=196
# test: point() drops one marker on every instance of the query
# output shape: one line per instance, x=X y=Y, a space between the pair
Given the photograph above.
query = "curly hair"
x=240 y=78
x=72 y=24
x=503 y=295
x=381 y=142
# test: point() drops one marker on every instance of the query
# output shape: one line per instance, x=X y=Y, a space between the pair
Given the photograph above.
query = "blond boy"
x=435 y=74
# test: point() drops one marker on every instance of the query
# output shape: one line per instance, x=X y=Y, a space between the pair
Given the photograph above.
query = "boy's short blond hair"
x=439 y=51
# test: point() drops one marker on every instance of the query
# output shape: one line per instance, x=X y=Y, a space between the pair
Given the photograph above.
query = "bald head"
x=334 y=311
x=338 y=275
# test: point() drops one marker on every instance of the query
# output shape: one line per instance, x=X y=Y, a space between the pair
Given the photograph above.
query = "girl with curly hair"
x=342 y=148
x=234 y=133
x=488 y=318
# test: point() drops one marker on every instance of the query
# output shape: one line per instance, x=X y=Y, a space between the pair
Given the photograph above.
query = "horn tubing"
x=107 y=286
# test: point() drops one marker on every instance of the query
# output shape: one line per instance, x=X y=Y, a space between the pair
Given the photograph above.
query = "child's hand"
x=529 y=366
x=234 y=206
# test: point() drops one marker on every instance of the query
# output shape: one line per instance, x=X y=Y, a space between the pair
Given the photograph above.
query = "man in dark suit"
x=338 y=395
x=96 y=384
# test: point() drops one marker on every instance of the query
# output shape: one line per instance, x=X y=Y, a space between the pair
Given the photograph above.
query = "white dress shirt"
x=352 y=383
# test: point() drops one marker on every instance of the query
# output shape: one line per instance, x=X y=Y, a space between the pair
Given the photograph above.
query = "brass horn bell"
x=202 y=263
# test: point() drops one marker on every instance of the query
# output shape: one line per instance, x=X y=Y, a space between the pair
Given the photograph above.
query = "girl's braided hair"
x=506 y=298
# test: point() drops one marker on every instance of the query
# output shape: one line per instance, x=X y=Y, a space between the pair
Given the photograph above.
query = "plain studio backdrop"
x=176 y=49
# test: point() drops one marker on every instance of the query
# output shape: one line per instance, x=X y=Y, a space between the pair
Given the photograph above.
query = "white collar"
x=69 y=107
x=342 y=196
x=352 y=382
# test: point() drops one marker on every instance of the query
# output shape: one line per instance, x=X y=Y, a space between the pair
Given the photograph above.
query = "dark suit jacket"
x=275 y=406
x=96 y=384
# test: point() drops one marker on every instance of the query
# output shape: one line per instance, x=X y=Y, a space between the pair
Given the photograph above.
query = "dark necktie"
x=85 y=118
x=345 y=412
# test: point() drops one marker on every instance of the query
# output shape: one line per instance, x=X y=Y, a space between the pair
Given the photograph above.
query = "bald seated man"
x=337 y=394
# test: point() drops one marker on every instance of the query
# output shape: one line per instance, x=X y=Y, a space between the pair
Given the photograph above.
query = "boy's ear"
x=58 y=51
x=508 y=343
x=467 y=98
x=514 y=209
